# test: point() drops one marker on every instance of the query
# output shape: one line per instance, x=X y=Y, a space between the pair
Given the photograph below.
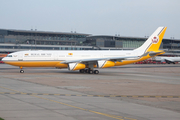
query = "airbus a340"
x=86 y=61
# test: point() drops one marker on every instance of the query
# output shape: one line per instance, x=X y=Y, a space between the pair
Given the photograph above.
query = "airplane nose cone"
x=3 y=59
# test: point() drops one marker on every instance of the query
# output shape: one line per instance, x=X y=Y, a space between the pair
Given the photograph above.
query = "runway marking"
x=103 y=114
x=35 y=95
x=99 y=113
x=9 y=89
x=123 y=96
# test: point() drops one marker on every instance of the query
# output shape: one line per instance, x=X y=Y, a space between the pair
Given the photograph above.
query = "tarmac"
x=131 y=92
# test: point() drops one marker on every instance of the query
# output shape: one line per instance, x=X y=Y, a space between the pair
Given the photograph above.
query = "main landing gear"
x=88 y=70
x=21 y=71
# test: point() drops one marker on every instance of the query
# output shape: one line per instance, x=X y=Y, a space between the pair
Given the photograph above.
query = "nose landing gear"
x=21 y=71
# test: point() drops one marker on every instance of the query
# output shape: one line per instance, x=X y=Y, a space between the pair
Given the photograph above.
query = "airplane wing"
x=98 y=59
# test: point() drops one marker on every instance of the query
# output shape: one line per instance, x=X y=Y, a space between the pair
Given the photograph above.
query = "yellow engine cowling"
x=105 y=64
x=76 y=66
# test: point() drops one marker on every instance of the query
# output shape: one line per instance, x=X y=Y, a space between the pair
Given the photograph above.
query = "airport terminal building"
x=15 y=40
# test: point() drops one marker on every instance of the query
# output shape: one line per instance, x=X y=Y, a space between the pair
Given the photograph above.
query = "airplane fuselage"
x=54 y=58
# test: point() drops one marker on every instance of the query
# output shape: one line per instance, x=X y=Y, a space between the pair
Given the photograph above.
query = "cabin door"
x=20 y=57
x=55 y=56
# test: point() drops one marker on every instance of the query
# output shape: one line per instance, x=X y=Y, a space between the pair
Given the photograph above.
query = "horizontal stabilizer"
x=152 y=53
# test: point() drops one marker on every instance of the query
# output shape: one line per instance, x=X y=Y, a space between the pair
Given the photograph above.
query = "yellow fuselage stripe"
x=37 y=63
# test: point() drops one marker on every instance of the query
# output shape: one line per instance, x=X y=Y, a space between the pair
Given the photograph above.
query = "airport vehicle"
x=167 y=59
x=86 y=61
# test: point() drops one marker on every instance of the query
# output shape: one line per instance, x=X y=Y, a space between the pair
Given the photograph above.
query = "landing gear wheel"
x=82 y=71
x=86 y=70
x=96 y=72
x=21 y=71
x=90 y=71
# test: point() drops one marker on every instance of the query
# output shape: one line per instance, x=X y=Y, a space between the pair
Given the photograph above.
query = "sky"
x=132 y=18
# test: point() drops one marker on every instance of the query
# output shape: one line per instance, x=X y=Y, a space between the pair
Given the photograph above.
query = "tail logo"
x=155 y=39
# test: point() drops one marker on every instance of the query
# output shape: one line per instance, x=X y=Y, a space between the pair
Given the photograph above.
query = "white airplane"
x=167 y=59
x=86 y=61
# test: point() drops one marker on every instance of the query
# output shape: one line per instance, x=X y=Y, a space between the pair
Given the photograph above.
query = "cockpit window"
x=9 y=56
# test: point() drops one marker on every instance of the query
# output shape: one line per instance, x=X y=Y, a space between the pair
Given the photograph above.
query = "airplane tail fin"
x=153 y=43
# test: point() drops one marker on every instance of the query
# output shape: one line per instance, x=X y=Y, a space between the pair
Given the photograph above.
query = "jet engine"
x=105 y=64
x=76 y=66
